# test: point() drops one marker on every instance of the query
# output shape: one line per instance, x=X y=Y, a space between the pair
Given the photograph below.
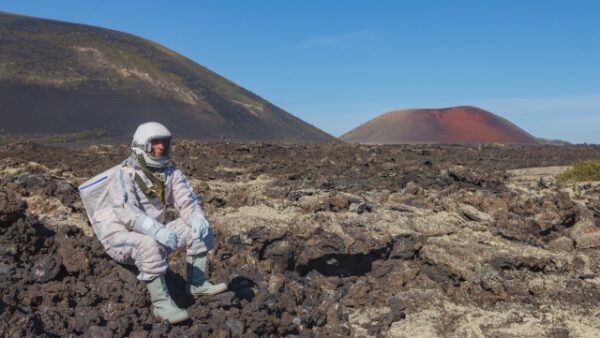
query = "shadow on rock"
x=242 y=287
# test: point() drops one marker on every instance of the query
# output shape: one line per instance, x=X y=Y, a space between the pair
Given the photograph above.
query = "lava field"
x=318 y=241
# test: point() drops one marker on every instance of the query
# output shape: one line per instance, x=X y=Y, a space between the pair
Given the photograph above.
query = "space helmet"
x=144 y=136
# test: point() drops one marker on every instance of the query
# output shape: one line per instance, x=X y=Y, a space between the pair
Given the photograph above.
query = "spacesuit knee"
x=150 y=258
x=186 y=238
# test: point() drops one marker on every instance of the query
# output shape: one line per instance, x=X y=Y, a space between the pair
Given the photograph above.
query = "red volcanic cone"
x=447 y=125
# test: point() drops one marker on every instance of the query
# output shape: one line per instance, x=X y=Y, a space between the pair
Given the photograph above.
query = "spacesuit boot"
x=196 y=277
x=164 y=307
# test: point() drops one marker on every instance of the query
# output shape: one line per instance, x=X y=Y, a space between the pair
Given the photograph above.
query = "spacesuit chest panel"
x=152 y=206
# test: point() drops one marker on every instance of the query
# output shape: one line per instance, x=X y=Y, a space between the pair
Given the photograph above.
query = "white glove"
x=166 y=237
x=200 y=226
x=147 y=225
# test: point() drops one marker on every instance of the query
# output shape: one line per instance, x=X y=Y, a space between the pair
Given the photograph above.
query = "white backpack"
x=95 y=193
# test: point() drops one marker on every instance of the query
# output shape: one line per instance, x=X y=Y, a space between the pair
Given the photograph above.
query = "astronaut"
x=132 y=230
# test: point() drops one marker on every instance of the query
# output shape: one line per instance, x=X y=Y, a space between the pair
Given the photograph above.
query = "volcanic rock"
x=468 y=245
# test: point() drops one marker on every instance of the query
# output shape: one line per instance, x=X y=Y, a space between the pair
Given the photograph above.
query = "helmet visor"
x=159 y=148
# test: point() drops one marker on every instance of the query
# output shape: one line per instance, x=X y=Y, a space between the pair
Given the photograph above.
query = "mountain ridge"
x=59 y=77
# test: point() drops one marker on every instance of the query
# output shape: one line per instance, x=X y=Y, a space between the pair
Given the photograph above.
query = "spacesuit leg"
x=197 y=252
x=145 y=252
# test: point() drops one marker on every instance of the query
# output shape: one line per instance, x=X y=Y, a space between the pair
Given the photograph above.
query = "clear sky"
x=338 y=64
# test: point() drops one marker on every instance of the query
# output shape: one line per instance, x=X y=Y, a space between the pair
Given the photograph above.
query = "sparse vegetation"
x=586 y=170
x=55 y=138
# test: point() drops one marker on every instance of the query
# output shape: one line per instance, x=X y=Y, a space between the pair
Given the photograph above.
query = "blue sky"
x=337 y=64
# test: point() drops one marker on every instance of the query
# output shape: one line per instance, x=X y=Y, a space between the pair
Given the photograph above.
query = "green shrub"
x=587 y=170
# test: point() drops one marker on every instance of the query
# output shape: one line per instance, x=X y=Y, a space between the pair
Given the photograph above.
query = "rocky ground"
x=338 y=240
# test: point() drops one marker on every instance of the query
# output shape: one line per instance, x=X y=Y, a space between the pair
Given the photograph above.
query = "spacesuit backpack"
x=95 y=195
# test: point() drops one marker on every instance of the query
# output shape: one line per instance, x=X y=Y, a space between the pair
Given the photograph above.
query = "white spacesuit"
x=132 y=229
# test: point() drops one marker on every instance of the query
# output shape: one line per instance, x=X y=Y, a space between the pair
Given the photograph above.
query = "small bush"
x=587 y=170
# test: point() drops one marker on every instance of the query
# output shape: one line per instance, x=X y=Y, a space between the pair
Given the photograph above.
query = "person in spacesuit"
x=133 y=229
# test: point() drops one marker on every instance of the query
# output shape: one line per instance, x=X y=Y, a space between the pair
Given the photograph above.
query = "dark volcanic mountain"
x=58 y=77
x=447 y=125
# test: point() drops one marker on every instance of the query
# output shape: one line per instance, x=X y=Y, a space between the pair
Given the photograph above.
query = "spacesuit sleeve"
x=182 y=197
x=125 y=201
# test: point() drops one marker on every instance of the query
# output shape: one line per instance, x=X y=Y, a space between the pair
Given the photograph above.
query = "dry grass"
x=586 y=170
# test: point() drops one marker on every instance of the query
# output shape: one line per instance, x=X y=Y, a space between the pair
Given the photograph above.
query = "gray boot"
x=164 y=307
x=196 y=276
